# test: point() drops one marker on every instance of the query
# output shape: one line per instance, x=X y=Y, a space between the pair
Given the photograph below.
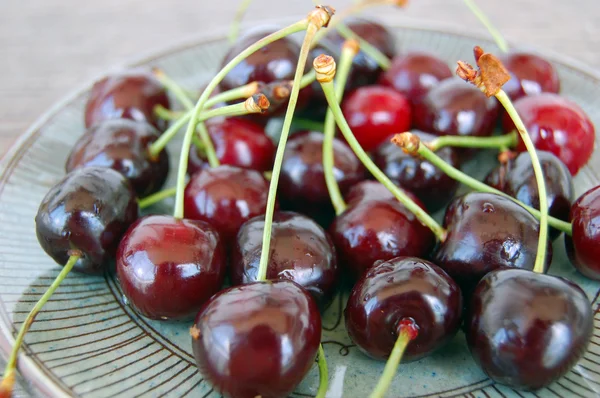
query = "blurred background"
x=51 y=47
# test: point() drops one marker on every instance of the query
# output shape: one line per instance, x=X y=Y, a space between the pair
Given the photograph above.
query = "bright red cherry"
x=131 y=94
x=557 y=125
x=399 y=289
x=374 y=113
x=583 y=247
x=530 y=75
x=258 y=339
x=415 y=73
x=169 y=267
x=225 y=197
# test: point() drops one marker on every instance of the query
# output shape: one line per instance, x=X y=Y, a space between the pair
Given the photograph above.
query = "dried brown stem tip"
x=351 y=45
x=258 y=103
x=195 y=332
x=321 y=16
x=408 y=142
x=325 y=67
x=490 y=77
x=400 y=3
x=282 y=90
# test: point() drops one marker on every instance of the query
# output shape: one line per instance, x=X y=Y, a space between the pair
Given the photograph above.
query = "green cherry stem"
x=173 y=87
x=501 y=141
x=323 y=373
x=234 y=30
x=382 y=60
x=237 y=93
x=8 y=379
x=496 y=35
x=156 y=197
x=166 y=114
x=349 y=50
x=209 y=148
x=325 y=67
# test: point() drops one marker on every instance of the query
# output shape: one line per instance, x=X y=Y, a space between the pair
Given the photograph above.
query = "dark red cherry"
x=517 y=179
x=122 y=145
x=415 y=73
x=258 y=339
x=300 y=251
x=530 y=75
x=302 y=185
x=486 y=232
x=398 y=289
x=374 y=113
x=375 y=226
x=168 y=268
x=130 y=94
x=557 y=125
x=526 y=330
x=237 y=142
x=88 y=210
x=225 y=197
x=583 y=247
x=432 y=186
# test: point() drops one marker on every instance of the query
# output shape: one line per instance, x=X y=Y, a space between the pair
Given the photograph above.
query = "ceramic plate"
x=87 y=342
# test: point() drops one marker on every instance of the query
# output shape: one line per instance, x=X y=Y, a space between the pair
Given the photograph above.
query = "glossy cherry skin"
x=397 y=289
x=487 y=232
x=122 y=145
x=237 y=142
x=431 y=185
x=415 y=73
x=526 y=330
x=583 y=247
x=530 y=75
x=301 y=251
x=517 y=179
x=302 y=185
x=557 y=125
x=375 y=226
x=168 y=268
x=225 y=197
x=273 y=334
x=374 y=113
x=88 y=210
x=131 y=94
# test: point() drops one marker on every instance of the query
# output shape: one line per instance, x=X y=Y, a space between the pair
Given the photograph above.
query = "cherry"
x=398 y=289
x=302 y=182
x=431 y=185
x=122 y=145
x=375 y=226
x=486 y=232
x=169 y=267
x=526 y=330
x=258 y=339
x=225 y=197
x=530 y=75
x=374 y=113
x=583 y=246
x=557 y=125
x=301 y=251
x=517 y=179
x=415 y=73
x=131 y=94
x=238 y=142
x=88 y=210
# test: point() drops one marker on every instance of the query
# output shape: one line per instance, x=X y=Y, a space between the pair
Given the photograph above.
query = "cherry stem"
x=209 y=148
x=8 y=379
x=308 y=79
x=156 y=197
x=496 y=35
x=382 y=60
x=402 y=197
x=501 y=141
x=311 y=30
x=166 y=114
x=540 y=258
x=349 y=51
x=212 y=85
x=411 y=144
x=406 y=334
x=234 y=30
x=323 y=373
x=237 y=93
x=173 y=87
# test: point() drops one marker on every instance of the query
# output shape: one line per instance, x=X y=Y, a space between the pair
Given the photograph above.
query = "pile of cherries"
x=260 y=339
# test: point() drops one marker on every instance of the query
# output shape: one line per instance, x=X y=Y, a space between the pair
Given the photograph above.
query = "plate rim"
x=29 y=370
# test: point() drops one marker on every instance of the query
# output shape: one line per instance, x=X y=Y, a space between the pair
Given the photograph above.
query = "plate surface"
x=88 y=342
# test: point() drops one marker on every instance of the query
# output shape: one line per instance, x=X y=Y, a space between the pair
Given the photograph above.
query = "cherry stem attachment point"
x=326 y=64
x=8 y=379
x=496 y=35
x=156 y=197
x=323 y=373
x=373 y=52
x=500 y=142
